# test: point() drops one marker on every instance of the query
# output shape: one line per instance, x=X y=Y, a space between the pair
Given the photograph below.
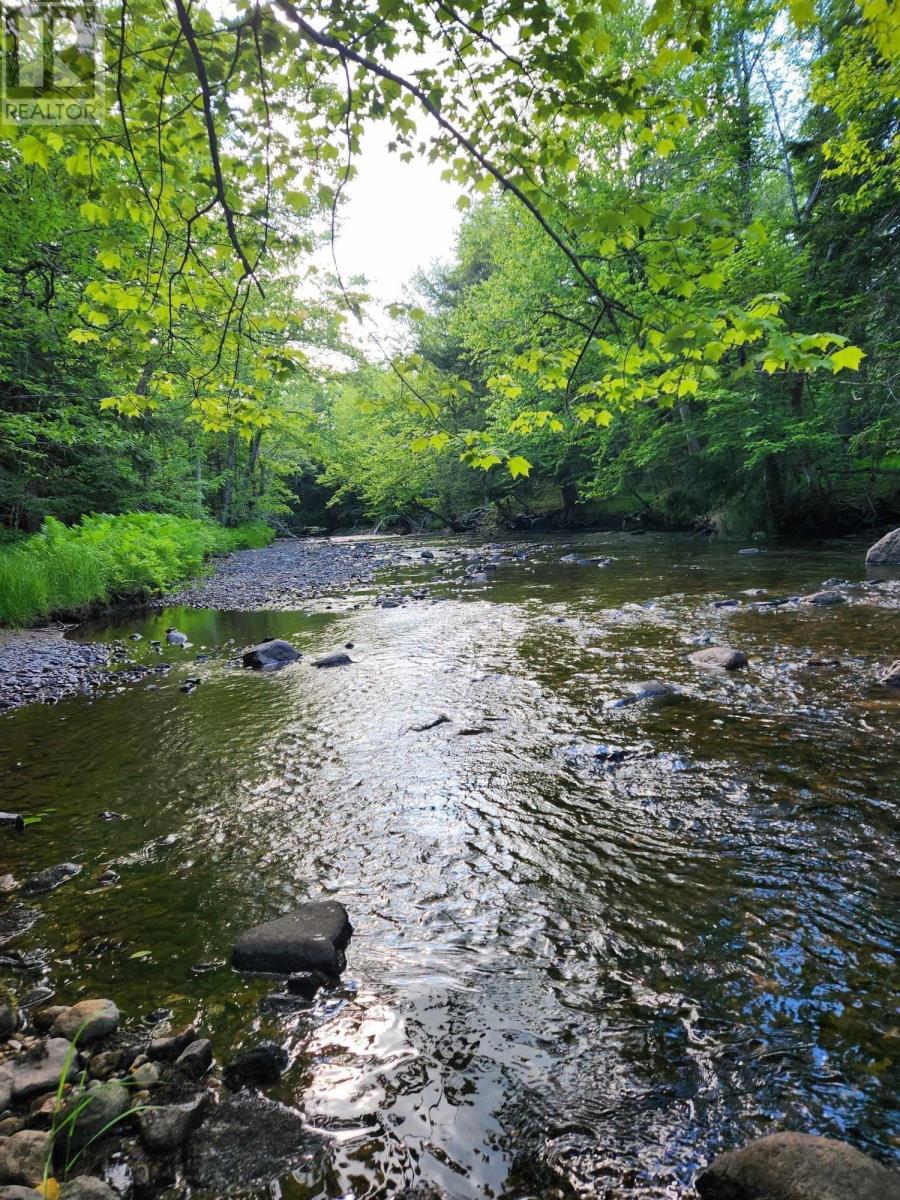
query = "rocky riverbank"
x=283 y=575
x=96 y=1108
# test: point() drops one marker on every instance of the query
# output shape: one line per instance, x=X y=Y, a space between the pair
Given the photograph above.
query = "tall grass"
x=62 y=569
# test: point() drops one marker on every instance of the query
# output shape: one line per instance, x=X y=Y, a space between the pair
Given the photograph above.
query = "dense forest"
x=673 y=301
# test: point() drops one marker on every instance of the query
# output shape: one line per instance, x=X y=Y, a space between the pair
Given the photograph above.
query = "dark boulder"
x=311 y=939
x=246 y=1140
x=275 y=652
x=12 y=821
x=339 y=659
x=257 y=1065
x=797 y=1166
x=886 y=551
x=891 y=677
x=720 y=658
x=196 y=1059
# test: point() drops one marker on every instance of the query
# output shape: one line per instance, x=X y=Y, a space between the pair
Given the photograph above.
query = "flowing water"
x=569 y=976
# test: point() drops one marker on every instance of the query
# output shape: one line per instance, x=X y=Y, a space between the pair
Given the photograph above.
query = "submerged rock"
x=176 y=638
x=260 y=1064
x=430 y=723
x=50 y=879
x=13 y=821
x=892 y=676
x=338 y=659
x=249 y=1139
x=826 y=597
x=722 y=658
x=311 y=939
x=797 y=1166
x=274 y=652
x=647 y=691
x=886 y=551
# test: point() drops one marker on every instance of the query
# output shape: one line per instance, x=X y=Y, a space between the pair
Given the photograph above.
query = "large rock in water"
x=722 y=658
x=274 y=652
x=249 y=1140
x=886 y=551
x=311 y=939
x=797 y=1166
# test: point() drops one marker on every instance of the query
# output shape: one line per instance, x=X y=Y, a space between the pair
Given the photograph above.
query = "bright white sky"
x=398 y=217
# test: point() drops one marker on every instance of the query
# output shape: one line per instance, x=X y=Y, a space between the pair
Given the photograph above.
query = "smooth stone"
x=51 y=878
x=86 y=1187
x=165 y=1127
x=105 y=1064
x=886 y=551
x=249 y=1139
x=87 y=1021
x=13 y=820
x=311 y=939
x=334 y=660
x=827 y=597
x=750 y=550
x=40 y=1072
x=19 y=1192
x=196 y=1059
x=23 y=1157
x=95 y=1112
x=168 y=1048
x=262 y=1064
x=176 y=638
x=722 y=658
x=272 y=653
x=797 y=1166
x=146 y=1075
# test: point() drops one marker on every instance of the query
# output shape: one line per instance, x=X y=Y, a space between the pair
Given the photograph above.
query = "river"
x=570 y=975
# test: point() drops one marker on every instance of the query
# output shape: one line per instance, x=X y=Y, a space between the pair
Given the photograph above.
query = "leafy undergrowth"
x=63 y=569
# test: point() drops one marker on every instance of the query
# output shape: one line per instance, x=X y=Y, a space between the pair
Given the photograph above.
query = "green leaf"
x=518 y=466
x=849 y=357
x=34 y=152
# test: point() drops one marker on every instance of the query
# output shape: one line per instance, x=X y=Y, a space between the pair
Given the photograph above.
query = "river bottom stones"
x=311 y=939
x=797 y=1166
x=720 y=658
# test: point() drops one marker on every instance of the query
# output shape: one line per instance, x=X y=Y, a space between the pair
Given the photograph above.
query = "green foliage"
x=63 y=569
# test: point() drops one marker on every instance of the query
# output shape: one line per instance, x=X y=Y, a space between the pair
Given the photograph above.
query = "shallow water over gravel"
x=569 y=977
